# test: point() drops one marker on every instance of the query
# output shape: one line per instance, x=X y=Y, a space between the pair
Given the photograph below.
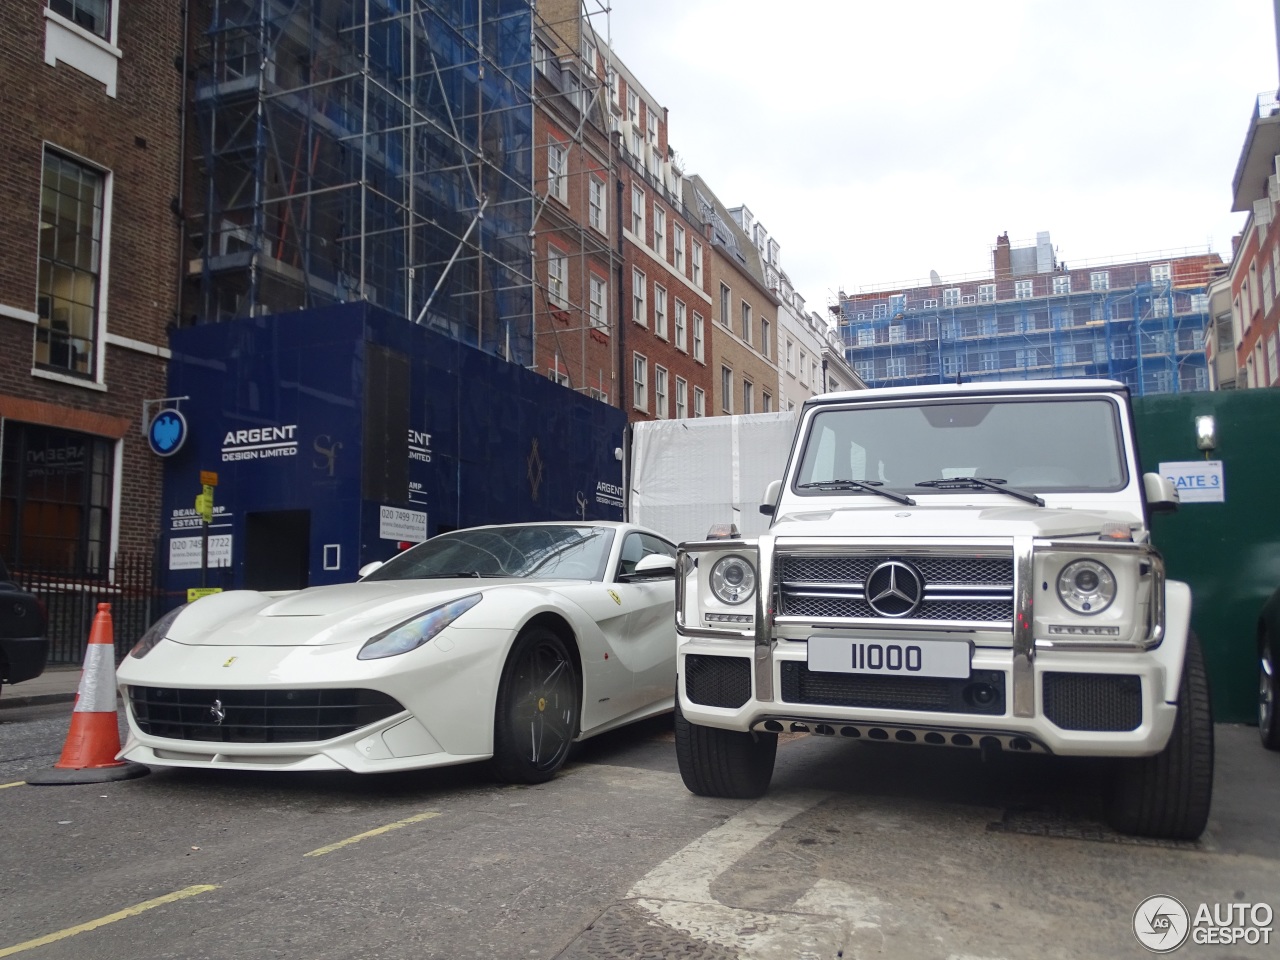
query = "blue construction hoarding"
x=339 y=434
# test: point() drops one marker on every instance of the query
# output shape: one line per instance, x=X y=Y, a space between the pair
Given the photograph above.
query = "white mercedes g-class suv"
x=953 y=565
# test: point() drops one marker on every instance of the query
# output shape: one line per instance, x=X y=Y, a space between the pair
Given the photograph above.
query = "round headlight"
x=733 y=580
x=1086 y=586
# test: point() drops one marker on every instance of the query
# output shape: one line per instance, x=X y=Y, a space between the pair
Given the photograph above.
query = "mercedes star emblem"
x=894 y=589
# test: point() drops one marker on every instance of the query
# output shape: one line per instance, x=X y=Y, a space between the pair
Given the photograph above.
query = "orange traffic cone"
x=89 y=754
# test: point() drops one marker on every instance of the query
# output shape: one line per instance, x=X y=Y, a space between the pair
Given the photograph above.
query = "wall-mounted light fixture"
x=1206 y=433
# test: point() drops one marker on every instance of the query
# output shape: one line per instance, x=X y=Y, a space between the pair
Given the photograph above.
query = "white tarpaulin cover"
x=688 y=474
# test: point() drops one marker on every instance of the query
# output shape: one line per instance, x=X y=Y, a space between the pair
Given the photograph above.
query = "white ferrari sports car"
x=501 y=643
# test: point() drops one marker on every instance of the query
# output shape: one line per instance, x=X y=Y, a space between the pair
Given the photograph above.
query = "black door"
x=277 y=550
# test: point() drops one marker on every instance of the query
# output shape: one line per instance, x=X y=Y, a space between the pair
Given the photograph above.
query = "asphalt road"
x=859 y=850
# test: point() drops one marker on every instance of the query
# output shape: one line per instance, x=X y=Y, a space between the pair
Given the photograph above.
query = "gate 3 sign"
x=1197 y=481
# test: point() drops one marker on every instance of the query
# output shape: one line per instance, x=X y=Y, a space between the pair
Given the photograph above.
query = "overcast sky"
x=877 y=141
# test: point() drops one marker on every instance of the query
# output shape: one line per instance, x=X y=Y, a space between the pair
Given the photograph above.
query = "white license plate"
x=913 y=658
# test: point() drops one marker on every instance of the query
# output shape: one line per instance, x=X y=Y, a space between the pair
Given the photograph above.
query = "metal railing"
x=71 y=600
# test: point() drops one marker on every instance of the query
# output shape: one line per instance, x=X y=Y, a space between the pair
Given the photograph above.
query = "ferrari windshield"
x=539 y=551
x=1032 y=443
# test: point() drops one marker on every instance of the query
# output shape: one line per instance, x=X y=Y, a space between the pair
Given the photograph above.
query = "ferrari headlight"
x=1086 y=586
x=733 y=579
x=417 y=630
x=155 y=633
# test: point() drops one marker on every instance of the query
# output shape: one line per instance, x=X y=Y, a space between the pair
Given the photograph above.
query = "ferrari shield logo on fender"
x=230 y=661
x=616 y=599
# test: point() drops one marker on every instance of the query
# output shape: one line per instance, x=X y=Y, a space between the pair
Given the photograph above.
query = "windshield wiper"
x=981 y=483
x=457 y=575
x=867 y=486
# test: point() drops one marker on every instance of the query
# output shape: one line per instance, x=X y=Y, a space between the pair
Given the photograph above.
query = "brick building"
x=90 y=166
x=1249 y=338
x=744 y=331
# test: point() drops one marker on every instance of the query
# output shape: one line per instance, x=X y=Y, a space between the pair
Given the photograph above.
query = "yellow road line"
x=16 y=783
x=110 y=918
x=416 y=818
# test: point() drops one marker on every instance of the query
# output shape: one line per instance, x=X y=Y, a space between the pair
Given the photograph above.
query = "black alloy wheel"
x=539 y=699
x=1268 y=694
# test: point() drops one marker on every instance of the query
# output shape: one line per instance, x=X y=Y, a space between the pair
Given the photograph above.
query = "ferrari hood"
x=317 y=616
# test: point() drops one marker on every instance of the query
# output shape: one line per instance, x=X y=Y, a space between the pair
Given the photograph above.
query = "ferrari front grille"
x=257 y=716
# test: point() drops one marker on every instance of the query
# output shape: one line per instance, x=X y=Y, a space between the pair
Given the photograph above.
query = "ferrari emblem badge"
x=542 y=704
x=218 y=713
x=230 y=661
x=616 y=599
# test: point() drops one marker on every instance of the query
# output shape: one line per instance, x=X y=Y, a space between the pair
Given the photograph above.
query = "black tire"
x=539 y=703
x=1269 y=693
x=1168 y=795
x=724 y=763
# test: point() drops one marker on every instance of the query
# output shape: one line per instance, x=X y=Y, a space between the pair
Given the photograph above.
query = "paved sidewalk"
x=58 y=684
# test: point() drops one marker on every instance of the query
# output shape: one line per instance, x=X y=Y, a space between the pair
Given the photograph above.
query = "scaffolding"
x=377 y=150
x=1147 y=334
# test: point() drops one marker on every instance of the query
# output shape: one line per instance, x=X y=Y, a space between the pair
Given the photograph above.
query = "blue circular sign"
x=167 y=433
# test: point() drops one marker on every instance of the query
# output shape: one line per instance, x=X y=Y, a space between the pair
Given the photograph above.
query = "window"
x=637 y=144
x=56 y=499
x=1062 y=284
x=764 y=337
x=879 y=311
x=699 y=402
x=633 y=106
x=660 y=311
x=897 y=333
x=1022 y=290
x=1100 y=280
x=986 y=293
x=766 y=403
x=558 y=374
x=725 y=294
x=660 y=393
x=748 y=396
x=697 y=264
x=557 y=172
x=541 y=57
x=653 y=125
x=677 y=246
x=92 y=15
x=640 y=381
x=1161 y=272
x=70 y=265
x=638 y=313
x=790 y=357
x=682 y=398
x=804 y=362
x=557 y=276
x=699 y=353
x=930 y=304
x=726 y=389
x=599 y=306
x=596 y=202
x=682 y=333
x=951 y=297
x=813 y=375
x=660 y=231
x=637 y=212
x=865 y=369
x=896 y=367
x=746 y=321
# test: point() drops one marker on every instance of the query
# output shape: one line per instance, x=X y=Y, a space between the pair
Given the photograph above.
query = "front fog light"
x=733 y=580
x=1086 y=586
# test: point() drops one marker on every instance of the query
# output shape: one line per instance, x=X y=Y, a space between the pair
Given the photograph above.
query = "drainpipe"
x=179 y=208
